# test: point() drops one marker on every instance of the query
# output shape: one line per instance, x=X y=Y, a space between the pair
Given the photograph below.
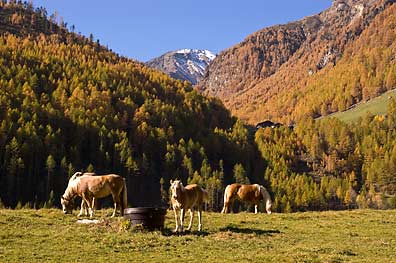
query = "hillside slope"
x=290 y=71
x=377 y=106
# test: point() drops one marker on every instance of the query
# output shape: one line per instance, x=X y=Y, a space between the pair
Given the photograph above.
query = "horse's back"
x=249 y=193
x=101 y=185
x=103 y=178
x=196 y=195
x=114 y=178
x=194 y=188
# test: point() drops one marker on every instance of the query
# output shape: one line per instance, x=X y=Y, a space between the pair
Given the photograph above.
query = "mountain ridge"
x=183 y=64
x=282 y=59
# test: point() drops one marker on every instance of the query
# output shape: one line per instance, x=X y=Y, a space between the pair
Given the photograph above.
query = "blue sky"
x=144 y=29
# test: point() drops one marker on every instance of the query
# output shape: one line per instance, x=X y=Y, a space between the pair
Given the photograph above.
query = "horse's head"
x=267 y=199
x=67 y=205
x=176 y=188
x=268 y=207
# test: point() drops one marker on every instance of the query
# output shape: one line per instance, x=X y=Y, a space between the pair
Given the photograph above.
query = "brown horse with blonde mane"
x=90 y=187
x=187 y=198
x=250 y=193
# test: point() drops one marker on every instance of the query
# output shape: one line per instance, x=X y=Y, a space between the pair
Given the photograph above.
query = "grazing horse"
x=187 y=198
x=89 y=188
x=251 y=193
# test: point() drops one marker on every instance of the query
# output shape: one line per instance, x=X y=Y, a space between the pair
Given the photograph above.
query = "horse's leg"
x=115 y=209
x=182 y=212
x=86 y=212
x=176 y=219
x=255 y=208
x=191 y=219
x=92 y=212
x=116 y=200
x=87 y=200
x=83 y=208
x=199 y=219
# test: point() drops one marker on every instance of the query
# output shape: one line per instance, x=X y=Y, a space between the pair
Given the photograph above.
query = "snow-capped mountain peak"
x=184 y=64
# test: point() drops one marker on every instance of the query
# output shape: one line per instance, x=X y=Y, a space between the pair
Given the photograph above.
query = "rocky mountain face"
x=184 y=64
x=281 y=59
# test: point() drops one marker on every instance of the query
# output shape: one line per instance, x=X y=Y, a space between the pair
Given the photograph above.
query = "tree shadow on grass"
x=259 y=232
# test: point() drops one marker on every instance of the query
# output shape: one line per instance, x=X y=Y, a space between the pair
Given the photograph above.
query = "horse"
x=251 y=193
x=89 y=188
x=187 y=198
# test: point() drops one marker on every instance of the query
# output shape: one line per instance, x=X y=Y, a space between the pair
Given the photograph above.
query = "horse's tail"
x=267 y=199
x=124 y=202
x=226 y=199
x=226 y=194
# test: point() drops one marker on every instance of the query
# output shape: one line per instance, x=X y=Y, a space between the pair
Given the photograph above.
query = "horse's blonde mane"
x=75 y=176
x=72 y=185
x=71 y=189
x=179 y=183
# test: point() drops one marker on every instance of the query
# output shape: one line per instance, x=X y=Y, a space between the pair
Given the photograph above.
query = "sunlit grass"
x=376 y=106
x=347 y=236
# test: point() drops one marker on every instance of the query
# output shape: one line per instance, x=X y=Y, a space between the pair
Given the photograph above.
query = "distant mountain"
x=184 y=64
x=321 y=64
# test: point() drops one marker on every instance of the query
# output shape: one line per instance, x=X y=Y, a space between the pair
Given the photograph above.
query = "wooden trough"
x=149 y=217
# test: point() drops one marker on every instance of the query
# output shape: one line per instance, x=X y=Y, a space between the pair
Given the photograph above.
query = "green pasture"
x=47 y=235
x=376 y=106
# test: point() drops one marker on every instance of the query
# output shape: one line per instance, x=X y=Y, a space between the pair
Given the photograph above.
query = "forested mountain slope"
x=319 y=65
x=69 y=104
x=327 y=163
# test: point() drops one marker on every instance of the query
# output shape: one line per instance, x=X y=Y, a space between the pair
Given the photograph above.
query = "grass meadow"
x=47 y=235
x=376 y=106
